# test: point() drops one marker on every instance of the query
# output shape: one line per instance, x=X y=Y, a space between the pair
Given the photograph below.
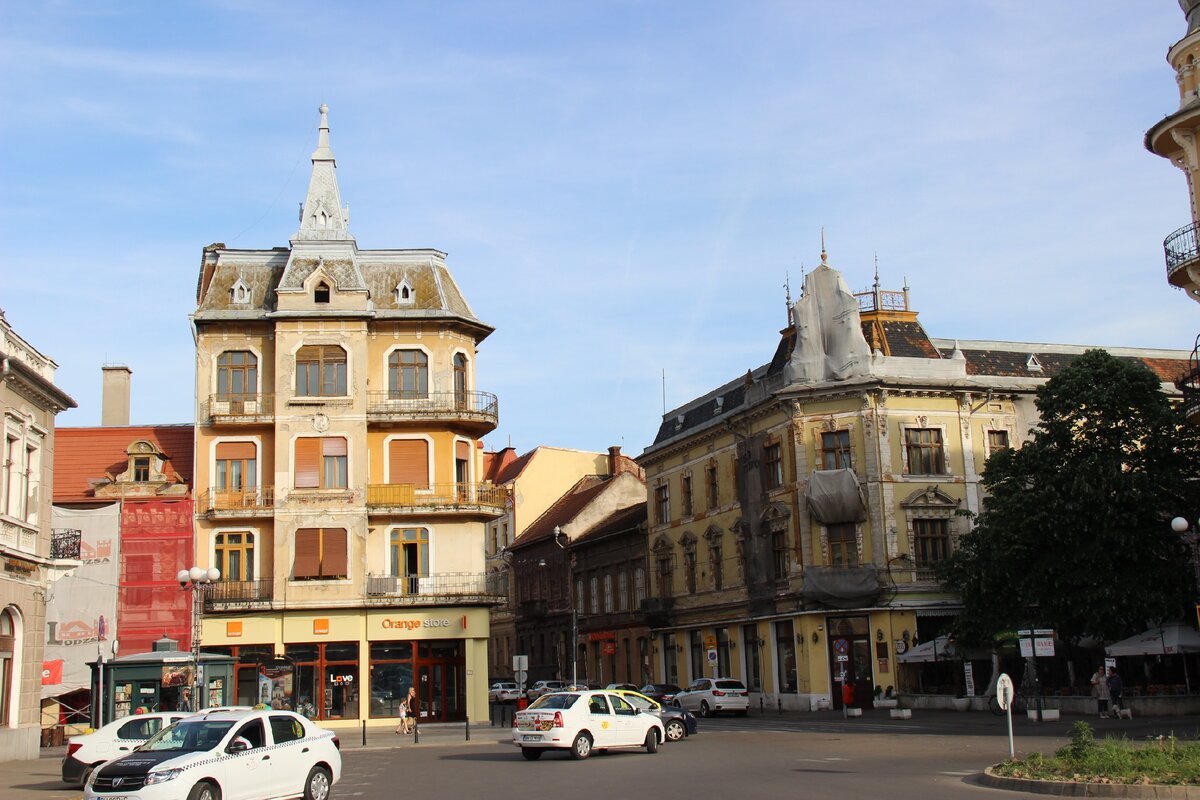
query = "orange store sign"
x=320 y=627
x=233 y=630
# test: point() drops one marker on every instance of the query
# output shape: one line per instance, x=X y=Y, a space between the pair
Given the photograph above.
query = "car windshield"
x=665 y=688
x=555 y=701
x=188 y=736
x=644 y=703
x=730 y=685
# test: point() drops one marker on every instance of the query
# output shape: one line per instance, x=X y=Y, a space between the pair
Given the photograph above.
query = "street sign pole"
x=1004 y=696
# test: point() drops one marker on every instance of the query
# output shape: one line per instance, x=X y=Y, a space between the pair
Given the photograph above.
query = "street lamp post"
x=200 y=582
x=561 y=539
x=1190 y=534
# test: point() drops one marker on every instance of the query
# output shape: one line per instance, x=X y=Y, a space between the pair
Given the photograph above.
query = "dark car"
x=662 y=692
x=677 y=722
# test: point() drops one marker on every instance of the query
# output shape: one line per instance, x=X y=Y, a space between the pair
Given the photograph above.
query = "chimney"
x=616 y=461
x=114 y=400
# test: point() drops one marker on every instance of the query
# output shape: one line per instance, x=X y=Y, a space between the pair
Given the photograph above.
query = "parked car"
x=503 y=692
x=253 y=755
x=543 y=687
x=629 y=687
x=708 y=696
x=661 y=692
x=583 y=721
x=677 y=722
x=88 y=751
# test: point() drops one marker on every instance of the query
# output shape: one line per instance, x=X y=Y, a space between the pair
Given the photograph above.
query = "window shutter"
x=409 y=462
x=236 y=451
x=462 y=451
x=308 y=553
x=334 y=446
x=333 y=553
x=308 y=463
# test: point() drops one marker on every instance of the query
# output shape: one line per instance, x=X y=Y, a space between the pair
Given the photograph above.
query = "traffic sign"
x=710 y=642
x=1004 y=691
x=712 y=655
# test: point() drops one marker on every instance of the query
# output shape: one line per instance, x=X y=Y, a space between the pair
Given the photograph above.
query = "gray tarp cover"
x=841 y=587
x=834 y=496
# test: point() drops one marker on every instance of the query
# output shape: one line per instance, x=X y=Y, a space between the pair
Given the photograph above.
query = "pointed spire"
x=824 y=256
x=322 y=216
x=876 y=269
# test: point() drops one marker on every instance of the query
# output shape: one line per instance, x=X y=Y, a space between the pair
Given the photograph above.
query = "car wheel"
x=705 y=711
x=581 y=748
x=204 y=791
x=316 y=786
x=531 y=753
x=87 y=773
x=652 y=741
x=675 y=731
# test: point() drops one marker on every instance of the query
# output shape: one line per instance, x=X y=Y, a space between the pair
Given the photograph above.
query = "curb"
x=1074 y=789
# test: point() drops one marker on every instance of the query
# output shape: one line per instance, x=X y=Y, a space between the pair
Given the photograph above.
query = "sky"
x=623 y=188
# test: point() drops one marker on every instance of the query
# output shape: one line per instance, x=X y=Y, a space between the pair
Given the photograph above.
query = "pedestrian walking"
x=1115 y=687
x=1100 y=691
x=414 y=708
x=403 y=711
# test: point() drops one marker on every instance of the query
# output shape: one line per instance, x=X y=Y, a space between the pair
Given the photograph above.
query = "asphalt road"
x=725 y=760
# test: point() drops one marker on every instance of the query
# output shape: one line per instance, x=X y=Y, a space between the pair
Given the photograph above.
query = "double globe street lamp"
x=200 y=581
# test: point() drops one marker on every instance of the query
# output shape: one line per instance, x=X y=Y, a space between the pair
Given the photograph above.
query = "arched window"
x=8 y=646
x=320 y=371
x=321 y=293
x=408 y=375
x=460 y=380
x=237 y=375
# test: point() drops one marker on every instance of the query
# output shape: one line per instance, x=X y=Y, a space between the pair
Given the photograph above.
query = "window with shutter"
x=308 y=463
x=409 y=462
x=333 y=553
x=308 y=554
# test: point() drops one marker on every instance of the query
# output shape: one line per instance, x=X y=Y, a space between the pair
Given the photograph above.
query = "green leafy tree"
x=1075 y=532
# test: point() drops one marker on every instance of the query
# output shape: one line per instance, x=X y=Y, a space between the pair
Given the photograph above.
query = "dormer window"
x=321 y=293
x=239 y=293
x=1033 y=365
x=141 y=469
x=404 y=293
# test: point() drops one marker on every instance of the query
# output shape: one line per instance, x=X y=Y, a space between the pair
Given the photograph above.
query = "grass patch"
x=1164 y=760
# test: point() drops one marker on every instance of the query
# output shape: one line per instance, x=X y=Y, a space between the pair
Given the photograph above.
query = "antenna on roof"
x=787 y=295
x=664 y=390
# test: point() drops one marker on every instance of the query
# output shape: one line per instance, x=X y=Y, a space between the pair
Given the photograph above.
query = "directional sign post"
x=1004 y=696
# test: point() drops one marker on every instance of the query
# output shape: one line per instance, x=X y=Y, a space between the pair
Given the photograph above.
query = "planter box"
x=853 y=712
x=901 y=713
x=962 y=704
x=1048 y=714
x=887 y=703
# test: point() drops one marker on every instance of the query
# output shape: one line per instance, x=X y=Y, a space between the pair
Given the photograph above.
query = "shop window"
x=408 y=375
x=320 y=371
x=391 y=672
x=785 y=652
x=320 y=554
x=752 y=650
x=326 y=681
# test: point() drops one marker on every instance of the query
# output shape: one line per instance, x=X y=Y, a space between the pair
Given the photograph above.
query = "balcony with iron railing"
x=64 y=543
x=1182 y=249
x=224 y=595
x=437 y=498
x=1189 y=385
x=238 y=409
x=445 y=588
x=480 y=410
x=253 y=502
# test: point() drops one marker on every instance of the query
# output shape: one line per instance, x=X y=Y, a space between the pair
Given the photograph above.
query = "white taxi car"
x=584 y=721
x=88 y=751
x=226 y=754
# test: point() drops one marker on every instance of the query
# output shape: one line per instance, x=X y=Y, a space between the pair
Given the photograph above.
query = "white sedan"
x=88 y=751
x=584 y=721
x=246 y=755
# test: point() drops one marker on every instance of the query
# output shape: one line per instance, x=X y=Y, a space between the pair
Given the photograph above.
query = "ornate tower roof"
x=323 y=217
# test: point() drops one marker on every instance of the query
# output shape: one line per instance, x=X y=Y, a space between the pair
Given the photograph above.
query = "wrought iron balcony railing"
x=397 y=404
x=239 y=408
x=437 y=496
x=1189 y=384
x=227 y=593
x=419 y=589
x=1181 y=248
x=243 y=502
x=64 y=543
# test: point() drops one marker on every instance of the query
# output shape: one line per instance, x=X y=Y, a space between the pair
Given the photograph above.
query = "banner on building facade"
x=81 y=607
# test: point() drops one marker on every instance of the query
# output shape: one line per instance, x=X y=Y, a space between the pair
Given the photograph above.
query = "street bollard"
x=468 y=729
x=492 y=714
x=364 y=724
x=416 y=732
x=781 y=705
x=760 y=704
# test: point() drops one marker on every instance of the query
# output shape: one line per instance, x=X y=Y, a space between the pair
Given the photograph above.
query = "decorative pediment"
x=662 y=544
x=688 y=540
x=714 y=534
x=931 y=498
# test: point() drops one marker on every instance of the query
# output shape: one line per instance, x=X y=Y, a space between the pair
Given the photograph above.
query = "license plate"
x=531 y=737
